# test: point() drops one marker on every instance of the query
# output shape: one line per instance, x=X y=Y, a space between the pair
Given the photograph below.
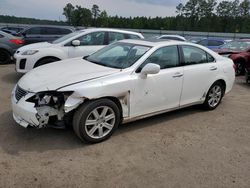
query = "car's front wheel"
x=214 y=96
x=95 y=121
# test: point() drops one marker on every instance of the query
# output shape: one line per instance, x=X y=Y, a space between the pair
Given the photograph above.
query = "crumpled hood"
x=62 y=73
x=36 y=46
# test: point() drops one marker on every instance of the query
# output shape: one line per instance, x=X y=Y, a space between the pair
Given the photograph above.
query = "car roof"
x=155 y=42
x=108 y=29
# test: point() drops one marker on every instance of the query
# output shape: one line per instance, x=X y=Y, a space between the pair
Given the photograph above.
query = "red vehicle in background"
x=239 y=52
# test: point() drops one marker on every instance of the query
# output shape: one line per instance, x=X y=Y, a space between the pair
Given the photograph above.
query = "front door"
x=160 y=91
x=89 y=43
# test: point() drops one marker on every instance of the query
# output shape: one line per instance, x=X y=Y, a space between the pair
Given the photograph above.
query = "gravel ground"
x=186 y=148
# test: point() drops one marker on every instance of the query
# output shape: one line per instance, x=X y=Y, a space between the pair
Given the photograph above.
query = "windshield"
x=118 y=55
x=236 y=45
x=66 y=37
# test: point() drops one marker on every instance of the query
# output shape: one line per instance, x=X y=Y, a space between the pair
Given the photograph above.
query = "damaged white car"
x=122 y=82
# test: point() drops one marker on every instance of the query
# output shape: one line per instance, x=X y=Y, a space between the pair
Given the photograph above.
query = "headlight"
x=29 y=52
x=49 y=98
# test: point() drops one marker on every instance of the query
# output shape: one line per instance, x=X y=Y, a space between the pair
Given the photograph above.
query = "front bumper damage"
x=28 y=114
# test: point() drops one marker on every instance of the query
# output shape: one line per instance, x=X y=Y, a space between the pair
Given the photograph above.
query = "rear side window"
x=96 y=38
x=215 y=43
x=114 y=36
x=34 y=31
x=193 y=55
x=65 y=31
x=131 y=36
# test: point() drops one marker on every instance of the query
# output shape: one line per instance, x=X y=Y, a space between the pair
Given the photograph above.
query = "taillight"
x=17 y=41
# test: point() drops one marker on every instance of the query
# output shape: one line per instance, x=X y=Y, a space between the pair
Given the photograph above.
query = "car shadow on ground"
x=158 y=119
x=15 y=139
x=12 y=77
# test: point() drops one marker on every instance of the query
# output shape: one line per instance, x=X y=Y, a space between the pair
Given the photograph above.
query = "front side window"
x=96 y=38
x=50 y=31
x=194 y=55
x=66 y=37
x=118 y=55
x=113 y=37
x=166 y=57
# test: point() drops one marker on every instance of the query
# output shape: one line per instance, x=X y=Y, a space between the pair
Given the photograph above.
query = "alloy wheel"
x=100 y=122
x=214 y=96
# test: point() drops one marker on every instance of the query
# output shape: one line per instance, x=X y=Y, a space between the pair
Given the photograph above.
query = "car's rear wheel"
x=95 y=121
x=5 y=57
x=45 y=61
x=239 y=70
x=214 y=96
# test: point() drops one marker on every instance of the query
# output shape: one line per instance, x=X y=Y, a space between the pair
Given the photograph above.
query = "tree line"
x=194 y=15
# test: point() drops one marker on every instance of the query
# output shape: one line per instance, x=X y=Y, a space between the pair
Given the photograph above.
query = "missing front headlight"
x=49 y=98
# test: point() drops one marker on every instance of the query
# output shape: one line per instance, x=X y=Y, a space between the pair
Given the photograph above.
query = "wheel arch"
x=47 y=57
x=222 y=81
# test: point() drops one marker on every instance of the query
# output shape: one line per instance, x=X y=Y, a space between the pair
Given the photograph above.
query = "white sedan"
x=80 y=43
x=125 y=81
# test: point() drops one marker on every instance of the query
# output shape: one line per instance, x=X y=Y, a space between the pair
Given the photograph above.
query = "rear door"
x=200 y=70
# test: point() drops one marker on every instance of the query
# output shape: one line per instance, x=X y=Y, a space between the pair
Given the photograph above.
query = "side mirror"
x=75 y=43
x=150 y=68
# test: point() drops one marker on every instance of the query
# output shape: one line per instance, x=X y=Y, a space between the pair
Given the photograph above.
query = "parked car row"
x=54 y=50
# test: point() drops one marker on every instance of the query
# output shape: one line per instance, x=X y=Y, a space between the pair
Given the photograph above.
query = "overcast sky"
x=52 y=9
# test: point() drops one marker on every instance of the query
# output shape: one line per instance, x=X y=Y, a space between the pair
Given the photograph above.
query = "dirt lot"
x=185 y=148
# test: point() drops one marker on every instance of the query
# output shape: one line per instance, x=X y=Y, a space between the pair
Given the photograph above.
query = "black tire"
x=240 y=69
x=207 y=104
x=86 y=111
x=5 y=57
x=45 y=61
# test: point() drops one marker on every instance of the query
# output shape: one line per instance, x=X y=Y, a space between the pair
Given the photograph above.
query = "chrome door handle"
x=213 y=68
x=177 y=75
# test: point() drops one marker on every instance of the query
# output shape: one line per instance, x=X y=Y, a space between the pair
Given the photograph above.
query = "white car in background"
x=80 y=43
x=125 y=81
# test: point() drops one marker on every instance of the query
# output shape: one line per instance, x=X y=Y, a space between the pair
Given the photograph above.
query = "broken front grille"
x=19 y=93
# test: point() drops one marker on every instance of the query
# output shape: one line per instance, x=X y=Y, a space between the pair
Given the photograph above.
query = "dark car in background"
x=8 y=45
x=43 y=33
x=239 y=52
x=13 y=30
x=212 y=43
